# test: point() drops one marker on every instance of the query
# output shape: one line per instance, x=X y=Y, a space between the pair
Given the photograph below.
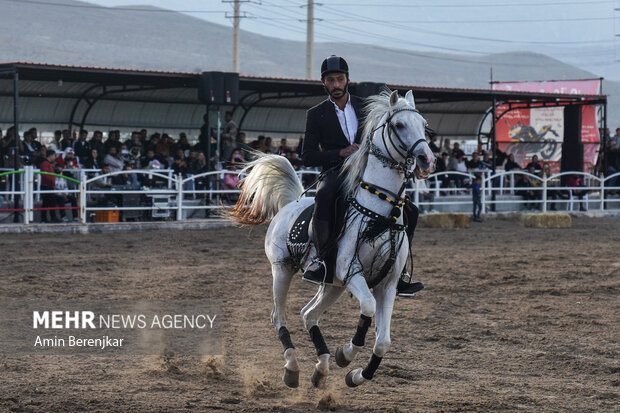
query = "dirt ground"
x=510 y=319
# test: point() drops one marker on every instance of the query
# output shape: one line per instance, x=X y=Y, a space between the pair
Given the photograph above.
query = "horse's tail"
x=270 y=184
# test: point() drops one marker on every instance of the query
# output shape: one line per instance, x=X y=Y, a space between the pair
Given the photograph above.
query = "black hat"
x=334 y=64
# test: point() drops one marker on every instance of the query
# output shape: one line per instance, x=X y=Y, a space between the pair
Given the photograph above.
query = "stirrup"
x=408 y=288
x=316 y=280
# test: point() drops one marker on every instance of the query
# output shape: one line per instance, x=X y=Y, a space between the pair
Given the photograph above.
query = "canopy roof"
x=56 y=97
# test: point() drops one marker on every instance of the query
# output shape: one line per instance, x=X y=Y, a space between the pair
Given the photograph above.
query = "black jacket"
x=324 y=137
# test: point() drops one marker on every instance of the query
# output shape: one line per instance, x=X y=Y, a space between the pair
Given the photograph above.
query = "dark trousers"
x=49 y=201
x=62 y=200
x=477 y=207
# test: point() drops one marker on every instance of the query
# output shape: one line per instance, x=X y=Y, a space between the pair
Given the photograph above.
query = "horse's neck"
x=387 y=178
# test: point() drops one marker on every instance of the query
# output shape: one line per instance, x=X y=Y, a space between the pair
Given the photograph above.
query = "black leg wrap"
x=373 y=365
x=362 y=329
x=285 y=338
x=411 y=217
x=318 y=341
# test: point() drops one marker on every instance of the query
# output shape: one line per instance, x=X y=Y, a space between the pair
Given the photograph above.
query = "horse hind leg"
x=282 y=276
x=325 y=297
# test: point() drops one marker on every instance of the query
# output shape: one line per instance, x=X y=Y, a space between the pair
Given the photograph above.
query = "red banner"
x=540 y=131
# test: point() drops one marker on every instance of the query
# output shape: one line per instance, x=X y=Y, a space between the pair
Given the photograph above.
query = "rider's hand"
x=344 y=153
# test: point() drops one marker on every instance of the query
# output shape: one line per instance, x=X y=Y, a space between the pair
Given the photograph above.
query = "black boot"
x=406 y=287
x=317 y=272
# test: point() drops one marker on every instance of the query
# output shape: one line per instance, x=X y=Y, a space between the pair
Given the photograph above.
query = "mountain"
x=67 y=32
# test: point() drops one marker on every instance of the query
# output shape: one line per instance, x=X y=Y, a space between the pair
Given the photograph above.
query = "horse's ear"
x=394 y=98
x=409 y=98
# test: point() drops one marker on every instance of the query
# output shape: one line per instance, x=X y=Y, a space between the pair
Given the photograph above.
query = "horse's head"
x=402 y=137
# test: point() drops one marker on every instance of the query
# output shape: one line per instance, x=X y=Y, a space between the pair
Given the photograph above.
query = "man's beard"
x=337 y=93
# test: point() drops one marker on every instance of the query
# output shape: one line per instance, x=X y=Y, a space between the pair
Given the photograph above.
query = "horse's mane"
x=375 y=109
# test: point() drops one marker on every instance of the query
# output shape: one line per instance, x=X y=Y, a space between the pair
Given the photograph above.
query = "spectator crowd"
x=160 y=151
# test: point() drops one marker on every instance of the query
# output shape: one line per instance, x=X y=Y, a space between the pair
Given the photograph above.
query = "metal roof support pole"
x=77 y=103
x=494 y=148
x=16 y=139
x=604 y=149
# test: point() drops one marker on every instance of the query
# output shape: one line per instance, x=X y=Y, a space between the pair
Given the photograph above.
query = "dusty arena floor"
x=511 y=319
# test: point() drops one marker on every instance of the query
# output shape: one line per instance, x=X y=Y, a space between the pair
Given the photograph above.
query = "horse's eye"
x=399 y=125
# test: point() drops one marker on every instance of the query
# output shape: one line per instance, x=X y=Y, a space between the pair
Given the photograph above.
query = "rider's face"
x=336 y=84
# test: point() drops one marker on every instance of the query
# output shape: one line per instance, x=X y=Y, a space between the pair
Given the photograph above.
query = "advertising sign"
x=526 y=132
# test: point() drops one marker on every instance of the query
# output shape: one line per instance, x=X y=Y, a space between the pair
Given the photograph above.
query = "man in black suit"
x=333 y=132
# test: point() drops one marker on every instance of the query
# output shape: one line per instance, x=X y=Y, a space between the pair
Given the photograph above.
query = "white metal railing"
x=160 y=194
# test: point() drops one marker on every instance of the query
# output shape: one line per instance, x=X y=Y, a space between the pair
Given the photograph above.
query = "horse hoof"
x=341 y=360
x=349 y=378
x=291 y=378
x=318 y=379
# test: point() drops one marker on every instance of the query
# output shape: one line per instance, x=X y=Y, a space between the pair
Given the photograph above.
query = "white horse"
x=373 y=248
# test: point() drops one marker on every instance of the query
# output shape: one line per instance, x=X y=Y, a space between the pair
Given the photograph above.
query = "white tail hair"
x=270 y=184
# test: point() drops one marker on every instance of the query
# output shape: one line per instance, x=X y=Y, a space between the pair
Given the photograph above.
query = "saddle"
x=300 y=234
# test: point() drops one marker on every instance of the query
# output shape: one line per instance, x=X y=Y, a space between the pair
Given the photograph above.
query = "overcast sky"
x=582 y=33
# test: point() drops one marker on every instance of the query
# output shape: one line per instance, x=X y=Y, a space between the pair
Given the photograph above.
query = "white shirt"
x=347 y=119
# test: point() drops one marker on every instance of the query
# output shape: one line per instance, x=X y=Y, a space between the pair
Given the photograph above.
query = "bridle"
x=400 y=147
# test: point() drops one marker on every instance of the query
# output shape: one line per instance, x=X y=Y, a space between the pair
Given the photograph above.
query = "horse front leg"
x=311 y=314
x=358 y=287
x=385 y=296
x=368 y=305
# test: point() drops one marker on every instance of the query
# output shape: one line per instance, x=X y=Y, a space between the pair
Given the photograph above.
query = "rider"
x=333 y=132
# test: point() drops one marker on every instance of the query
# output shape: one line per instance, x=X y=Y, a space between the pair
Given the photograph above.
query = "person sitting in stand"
x=486 y=163
x=48 y=183
x=82 y=146
x=69 y=159
x=283 y=149
x=63 y=198
x=113 y=160
x=474 y=164
x=230 y=180
x=535 y=164
x=529 y=193
x=576 y=181
x=552 y=194
x=511 y=164
x=179 y=164
x=127 y=180
x=442 y=166
x=55 y=143
x=333 y=133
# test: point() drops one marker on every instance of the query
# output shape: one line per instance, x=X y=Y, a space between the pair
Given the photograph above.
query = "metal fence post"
x=544 y=195
x=484 y=193
x=83 y=215
x=179 y=182
x=602 y=193
x=28 y=198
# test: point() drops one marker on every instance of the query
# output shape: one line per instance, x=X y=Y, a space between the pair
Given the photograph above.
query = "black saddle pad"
x=298 y=237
